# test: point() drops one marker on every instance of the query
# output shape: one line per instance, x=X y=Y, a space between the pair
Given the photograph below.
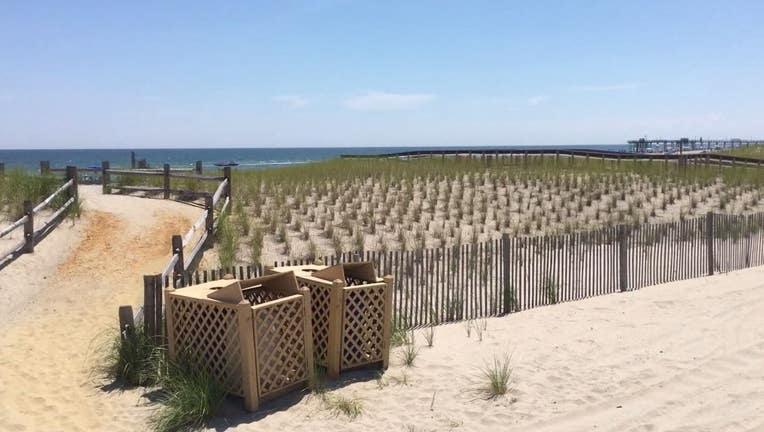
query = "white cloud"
x=381 y=101
x=537 y=100
x=605 y=87
x=292 y=101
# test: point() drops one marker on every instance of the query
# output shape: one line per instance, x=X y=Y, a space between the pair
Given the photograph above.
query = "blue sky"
x=352 y=73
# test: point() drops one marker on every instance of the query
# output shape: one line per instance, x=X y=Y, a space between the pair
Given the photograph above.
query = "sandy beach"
x=679 y=356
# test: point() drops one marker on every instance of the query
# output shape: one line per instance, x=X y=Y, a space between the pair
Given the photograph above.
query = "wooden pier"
x=681 y=145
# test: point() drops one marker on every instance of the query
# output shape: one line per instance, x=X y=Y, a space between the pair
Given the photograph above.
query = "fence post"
x=126 y=323
x=105 y=176
x=307 y=328
x=198 y=167
x=28 y=227
x=166 y=181
x=132 y=160
x=227 y=175
x=177 y=249
x=710 y=241
x=505 y=280
x=71 y=174
x=248 y=362
x=334 y=342
x=387 y=329
x=169 y=320
x=623 y=249
x=44 y=167
x=2 y=168
x=149 y=310
x=209 y=223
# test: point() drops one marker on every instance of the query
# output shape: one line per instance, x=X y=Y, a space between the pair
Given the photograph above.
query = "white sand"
x=682 y=356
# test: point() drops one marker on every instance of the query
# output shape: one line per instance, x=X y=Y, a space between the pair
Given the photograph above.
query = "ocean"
x=245 y=157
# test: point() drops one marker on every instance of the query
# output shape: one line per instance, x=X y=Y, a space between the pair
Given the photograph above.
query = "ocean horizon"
x=252 y=158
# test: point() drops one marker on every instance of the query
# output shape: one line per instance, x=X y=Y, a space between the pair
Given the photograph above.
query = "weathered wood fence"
x=558 y=155
x=507 y=275
x=186 y=249
x=32 y=234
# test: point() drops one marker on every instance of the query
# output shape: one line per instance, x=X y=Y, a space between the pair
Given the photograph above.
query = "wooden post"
x=44 y=167
x=505 y=279
x=209 y=222
x=71 y=174
x=622 y=256
x=149 y=310
x=198 y=167
x=166 y=181
x=710 y=241
x=126 y=323
x=28 y=227
x=248 y=356
x=334 y=343
x=308 y=329
x=387 y=329
x=177 y=248
x=132 y=160
x=105 y=177
x=2 y=168
x=227 y=175
x=169 y=320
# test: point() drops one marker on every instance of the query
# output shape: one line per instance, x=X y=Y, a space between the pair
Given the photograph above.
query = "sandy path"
x=45 y=378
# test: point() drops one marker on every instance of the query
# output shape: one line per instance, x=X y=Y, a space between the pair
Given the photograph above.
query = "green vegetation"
x=350 y=407
x=753 y=151
x=495 y=376
x=190 y=397
x=408 y=354
x=18 y=185
x=132 y=361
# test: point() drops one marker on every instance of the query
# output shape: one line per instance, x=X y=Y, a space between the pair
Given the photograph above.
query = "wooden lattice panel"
x=257 y=296
x=280 y=345
x=363 y=325
x=320 y=295
x=209 y=334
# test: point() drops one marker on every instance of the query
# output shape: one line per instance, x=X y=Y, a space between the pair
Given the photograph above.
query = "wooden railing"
x=33 y=235
x=186 y=249
x=696 y=158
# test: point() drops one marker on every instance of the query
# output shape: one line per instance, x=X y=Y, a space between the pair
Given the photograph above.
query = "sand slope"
x=45 y=381
x=682 y=356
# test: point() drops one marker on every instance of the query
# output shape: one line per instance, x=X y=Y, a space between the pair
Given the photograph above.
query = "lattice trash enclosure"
x=254 y=336
x=352 y=314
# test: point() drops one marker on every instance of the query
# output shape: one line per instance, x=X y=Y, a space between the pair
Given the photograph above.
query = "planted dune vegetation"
x=328 y=208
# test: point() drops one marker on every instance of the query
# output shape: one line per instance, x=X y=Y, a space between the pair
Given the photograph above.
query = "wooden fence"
x=33 y=235
x=186 y=249
x=715 y=159
x=507 y=275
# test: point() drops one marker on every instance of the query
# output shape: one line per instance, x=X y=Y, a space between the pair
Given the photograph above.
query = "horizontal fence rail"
x=32 y=234
x=506 y=275
x=697 y=158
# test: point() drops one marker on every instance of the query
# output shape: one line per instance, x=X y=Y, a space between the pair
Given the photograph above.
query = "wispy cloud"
x=382 y=101
x=292 y=101
x=537 y=100
x=604 y=87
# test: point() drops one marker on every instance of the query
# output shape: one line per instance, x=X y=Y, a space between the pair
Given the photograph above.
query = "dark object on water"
x=226 y=164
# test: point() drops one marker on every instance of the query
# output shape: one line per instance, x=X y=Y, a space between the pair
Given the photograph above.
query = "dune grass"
x=133 y=361
x=495 y=377
x=17 y=185
x=189 y=397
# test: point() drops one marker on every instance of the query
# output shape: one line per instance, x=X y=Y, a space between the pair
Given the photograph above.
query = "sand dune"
x=680 y=356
